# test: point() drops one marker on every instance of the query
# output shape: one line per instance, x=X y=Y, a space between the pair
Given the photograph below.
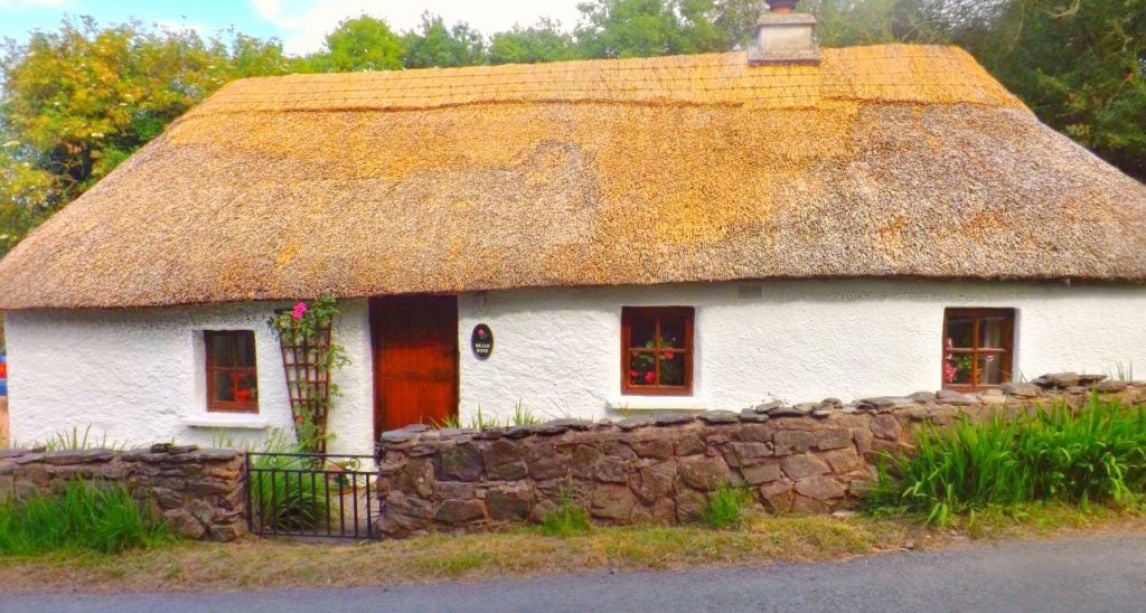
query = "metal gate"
x=312 y=494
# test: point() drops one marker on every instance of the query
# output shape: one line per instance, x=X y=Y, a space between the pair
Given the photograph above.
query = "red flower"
x=650 y=377
x=668 y=355
x=243 y=395
x=633 y=374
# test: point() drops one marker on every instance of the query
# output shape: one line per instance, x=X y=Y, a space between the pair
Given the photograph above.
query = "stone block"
x=703 y=473
x=504 y=460
x=778 y=495
x=460 y=463
x=886 y=427
x=611 y=501
x=457 y=512
x=509 y=503
x=762 y=473
x=786 y=442
x=843 y=460
x=654 y=482
x=655 y=448
x=835 y=438
x=820 y=488
x=746 y=454
x=803 y=465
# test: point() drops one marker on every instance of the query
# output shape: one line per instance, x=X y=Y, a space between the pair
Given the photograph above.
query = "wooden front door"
x=415 y=360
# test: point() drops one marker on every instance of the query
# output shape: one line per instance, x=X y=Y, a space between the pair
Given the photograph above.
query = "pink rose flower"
x=650 y=377
x=299 y=310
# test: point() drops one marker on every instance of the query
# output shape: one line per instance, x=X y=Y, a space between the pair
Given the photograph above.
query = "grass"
x=566 y=521
x=275 y=564
x=727 y=507
x=95 y=517
x=522 y=416
x=1094 y=455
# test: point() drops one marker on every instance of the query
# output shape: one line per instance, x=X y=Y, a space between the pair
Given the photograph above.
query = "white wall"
x=557 y=352
x=137 y=376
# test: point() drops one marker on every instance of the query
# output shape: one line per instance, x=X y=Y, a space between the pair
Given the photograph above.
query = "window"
x=232 y=384
x=656 y=349
x=978 y=347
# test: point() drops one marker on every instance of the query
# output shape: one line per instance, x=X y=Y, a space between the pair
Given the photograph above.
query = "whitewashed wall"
x=557 y=352
x=137 y=375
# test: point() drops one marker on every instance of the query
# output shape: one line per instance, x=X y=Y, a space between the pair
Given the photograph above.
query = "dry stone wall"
x=198 y=491
x=806 y=458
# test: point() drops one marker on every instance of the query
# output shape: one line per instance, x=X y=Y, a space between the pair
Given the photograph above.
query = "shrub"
x=1095 y=454
x=81 y=516
x=566 y=520
x=727 y=507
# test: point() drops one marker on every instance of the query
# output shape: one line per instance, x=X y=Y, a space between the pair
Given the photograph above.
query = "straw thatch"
x=890 y=160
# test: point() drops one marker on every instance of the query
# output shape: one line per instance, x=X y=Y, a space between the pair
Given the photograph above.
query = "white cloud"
x=33 y=4
x=304 y=23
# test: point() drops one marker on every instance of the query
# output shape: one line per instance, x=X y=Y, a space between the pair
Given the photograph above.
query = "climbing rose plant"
x=303 y=330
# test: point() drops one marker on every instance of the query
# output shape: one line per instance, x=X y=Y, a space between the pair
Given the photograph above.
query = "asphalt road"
x=1094 y=573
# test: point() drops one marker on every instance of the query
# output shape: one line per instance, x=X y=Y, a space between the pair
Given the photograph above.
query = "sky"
x=299 y=24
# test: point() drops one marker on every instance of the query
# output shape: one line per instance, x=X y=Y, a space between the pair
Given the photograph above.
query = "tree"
x=76 y=102
x=437 y=45
x=362 y=43
x=644 y=28
x=1079 y=64
x=544 y=42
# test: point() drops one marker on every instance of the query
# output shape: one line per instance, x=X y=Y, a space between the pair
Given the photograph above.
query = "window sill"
x=657 y=403
x=236 y=422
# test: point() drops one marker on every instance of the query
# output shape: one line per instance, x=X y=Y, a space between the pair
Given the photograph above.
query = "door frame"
x=375 y=304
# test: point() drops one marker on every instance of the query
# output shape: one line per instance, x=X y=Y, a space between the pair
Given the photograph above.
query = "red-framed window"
x=978 y=347
x=232 y=379
x=656 y=350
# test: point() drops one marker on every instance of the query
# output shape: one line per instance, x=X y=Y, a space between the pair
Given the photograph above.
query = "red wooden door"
x=415 y=360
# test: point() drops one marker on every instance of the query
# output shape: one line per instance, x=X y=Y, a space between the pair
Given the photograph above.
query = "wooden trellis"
x=307 y=364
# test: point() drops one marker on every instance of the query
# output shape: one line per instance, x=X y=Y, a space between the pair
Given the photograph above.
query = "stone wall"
x=198 y=491
x=808 y=458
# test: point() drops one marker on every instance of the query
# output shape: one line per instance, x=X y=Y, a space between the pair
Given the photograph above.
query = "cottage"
x=580 y=239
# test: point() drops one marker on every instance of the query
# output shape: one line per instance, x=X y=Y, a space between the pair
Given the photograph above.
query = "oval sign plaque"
x=482 y=341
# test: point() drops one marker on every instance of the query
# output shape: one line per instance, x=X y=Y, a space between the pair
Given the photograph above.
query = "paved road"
x=1095 y=573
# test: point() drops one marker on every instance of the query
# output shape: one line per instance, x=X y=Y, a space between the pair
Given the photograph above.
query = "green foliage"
x=286 y=501
x=566 y=520
x=76 y=102
x=1096 y=454
x=544 y=42
x=727 y=507
x=436 y=45
x=82 y=516
x=362 y=43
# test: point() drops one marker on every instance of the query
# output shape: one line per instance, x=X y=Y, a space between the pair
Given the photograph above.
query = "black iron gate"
x=311 y=494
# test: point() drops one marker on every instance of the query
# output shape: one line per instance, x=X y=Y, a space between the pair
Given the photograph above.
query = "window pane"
x=991 y=369
x=642 y=369
x=991 y=332
x=222 y=348
x=224 y=390
x=672 y=332
x=957 y=369
x=641 y=332
x=672 y=367
x=961 y=333
x=245 y=349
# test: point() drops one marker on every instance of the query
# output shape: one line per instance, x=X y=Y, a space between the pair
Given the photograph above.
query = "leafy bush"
x=282 y=499
x=81 y=516
x=727 y=507
x=1095 y=454
x=566 y=520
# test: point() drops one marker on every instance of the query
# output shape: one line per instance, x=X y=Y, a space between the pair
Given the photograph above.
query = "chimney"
x=784 y=37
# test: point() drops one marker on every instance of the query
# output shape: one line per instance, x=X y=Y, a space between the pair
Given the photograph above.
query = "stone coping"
x=940 y=407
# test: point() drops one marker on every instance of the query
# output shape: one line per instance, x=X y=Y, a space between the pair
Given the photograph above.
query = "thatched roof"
x=881 y=161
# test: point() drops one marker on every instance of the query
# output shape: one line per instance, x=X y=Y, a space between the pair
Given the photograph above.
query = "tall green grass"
x=79 y=517
x=1094 y=454
x=286 y=500
x=727 y=507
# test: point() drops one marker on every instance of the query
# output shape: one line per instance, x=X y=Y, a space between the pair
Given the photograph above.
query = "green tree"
x=436 y=45
x=544 y=42
x=76 y=102
x=362 y=43
x=1079 y=64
